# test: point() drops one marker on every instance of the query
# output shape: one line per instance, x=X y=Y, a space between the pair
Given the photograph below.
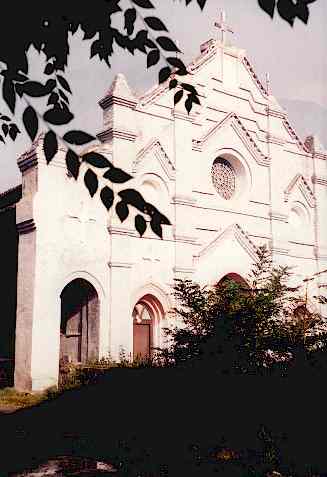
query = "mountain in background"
x=307 y=118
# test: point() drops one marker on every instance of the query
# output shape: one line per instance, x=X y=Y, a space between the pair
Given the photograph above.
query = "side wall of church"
x=8 y=290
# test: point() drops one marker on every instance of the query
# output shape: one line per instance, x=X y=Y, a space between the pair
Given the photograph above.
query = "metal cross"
x=222 y=25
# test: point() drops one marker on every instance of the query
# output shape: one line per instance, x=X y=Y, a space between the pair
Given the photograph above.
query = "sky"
x=295 y=58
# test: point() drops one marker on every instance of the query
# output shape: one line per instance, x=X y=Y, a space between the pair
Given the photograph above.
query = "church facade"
x=230 y=176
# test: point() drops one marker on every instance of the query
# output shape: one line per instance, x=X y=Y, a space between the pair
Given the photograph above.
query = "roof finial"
x=222 y=25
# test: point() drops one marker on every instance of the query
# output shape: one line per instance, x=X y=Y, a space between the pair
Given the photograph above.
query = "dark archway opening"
x=79 y=326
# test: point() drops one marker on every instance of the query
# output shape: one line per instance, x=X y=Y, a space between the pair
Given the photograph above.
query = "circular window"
x=223 y=178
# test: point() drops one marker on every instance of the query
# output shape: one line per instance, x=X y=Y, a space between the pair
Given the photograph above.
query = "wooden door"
x=141 y=340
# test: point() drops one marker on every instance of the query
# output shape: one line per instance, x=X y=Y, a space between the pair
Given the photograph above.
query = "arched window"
x=147 y=316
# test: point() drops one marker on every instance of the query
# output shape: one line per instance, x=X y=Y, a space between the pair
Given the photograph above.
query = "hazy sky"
x=295 y=58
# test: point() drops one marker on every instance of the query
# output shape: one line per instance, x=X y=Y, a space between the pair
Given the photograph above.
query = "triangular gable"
x=234 y=121
x=154 y=147
x=299 y=182
x=233 y=231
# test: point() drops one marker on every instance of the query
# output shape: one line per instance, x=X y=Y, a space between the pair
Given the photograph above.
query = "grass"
x=10 y=399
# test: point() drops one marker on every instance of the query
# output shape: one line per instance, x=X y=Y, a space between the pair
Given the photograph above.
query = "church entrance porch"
x=147 y=317
x=79 y=325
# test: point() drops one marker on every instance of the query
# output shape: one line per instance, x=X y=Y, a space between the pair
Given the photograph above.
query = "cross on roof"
x=222 y=25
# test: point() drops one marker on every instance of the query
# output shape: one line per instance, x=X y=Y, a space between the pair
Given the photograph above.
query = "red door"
x=141 y=340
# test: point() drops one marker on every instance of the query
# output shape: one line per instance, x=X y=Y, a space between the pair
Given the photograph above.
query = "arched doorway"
x=233 y=277
x=79 y=325
x=147 y=316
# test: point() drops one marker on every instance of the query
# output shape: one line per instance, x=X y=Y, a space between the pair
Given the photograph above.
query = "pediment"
x=233 y=121
x=300 y=183
x=236 y=232
x=155 y=148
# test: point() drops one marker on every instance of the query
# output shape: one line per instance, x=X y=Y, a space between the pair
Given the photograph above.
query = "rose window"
x=223 y=178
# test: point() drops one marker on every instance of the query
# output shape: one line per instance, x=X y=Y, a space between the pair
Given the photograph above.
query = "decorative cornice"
x=26 y=226
x=155 y=146
x=182 y=115
x=253 y=75
x=27 y=160
x=275 y=140
x=279 y=250
x=240 y=235
x=183 y=270
x=112 y=264
x=183 y=200
x=108 y=101
x=241 y=131
x=112 y=133
x=185 y=239
x=300 y=182
x=294 y=136
x=116 y=230
x=278 y=216
x=319 y=180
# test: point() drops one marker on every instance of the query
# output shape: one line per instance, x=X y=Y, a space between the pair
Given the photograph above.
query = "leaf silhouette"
x=53 y=98
x=122 y=211
x=117 y=175
x=143 y=3
x=5 y=129
x=50 y=146
x=167 y=44
x=140 y=224
x=64 y=83
x=91 y=182
x=153 y=58
x=49 y=69
x=96 y=159
x=36 y=89
x=178 y=96
x=134 y=198
x=31 y=122
x=58 y=115
x=13 y=131
x=164 y=74
x=156 y=226
x=268 y=6
x=155 y=23
x=73 y=163
x=107 y=197
x=130 y=17
x=173 y=83
x=78 y=138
